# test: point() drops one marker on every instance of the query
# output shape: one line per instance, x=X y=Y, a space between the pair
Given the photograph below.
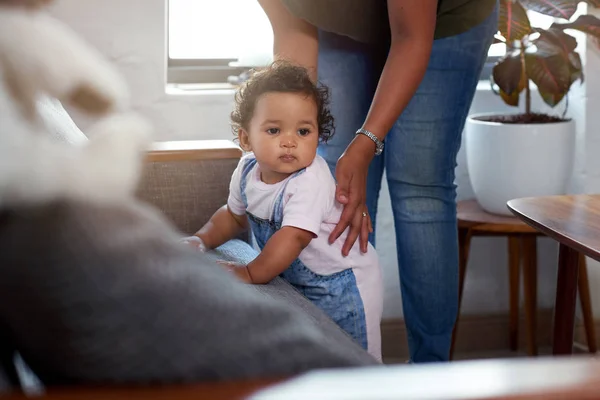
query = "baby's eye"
x=303 y=132
x=273 y=131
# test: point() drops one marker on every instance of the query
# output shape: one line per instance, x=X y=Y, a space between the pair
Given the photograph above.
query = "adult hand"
x=351 y=175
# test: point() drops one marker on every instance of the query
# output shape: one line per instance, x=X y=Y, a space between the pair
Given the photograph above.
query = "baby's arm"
x=279 y=252
x=230 y=220
x=223 y=226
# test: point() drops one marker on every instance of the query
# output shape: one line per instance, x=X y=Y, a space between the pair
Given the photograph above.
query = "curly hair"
x=284 y=77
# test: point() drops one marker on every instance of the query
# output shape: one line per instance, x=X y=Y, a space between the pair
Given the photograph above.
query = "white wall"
x=590 y=174
x=132 y=33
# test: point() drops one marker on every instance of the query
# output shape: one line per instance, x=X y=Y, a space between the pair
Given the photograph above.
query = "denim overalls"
x=337 y=295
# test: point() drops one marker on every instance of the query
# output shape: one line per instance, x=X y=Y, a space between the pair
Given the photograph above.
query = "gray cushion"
x=5 y=383
x=106 y=294
x=281 y=291
x=8 y=379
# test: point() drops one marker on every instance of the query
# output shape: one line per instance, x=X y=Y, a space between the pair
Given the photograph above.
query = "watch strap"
x=375 y=139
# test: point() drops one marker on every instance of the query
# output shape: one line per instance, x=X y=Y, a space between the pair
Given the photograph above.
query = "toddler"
x=285 y=193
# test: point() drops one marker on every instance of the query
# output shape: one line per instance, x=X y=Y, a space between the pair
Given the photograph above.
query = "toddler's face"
x=283 y=134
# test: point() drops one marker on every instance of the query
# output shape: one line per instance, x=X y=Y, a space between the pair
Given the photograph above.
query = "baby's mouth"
x=287 y=158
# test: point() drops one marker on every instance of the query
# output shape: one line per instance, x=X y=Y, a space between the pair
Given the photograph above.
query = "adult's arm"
x=294 y=39
x=412 y=25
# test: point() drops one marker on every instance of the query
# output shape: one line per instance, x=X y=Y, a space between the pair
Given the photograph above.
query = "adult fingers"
x=365 y=231
x=345 y=221
x=353 y=233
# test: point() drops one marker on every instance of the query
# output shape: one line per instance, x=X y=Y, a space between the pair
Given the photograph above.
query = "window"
x=212 y=42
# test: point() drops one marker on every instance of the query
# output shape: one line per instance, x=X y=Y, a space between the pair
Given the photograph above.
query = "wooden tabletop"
x=525 y=379
x=572 y=220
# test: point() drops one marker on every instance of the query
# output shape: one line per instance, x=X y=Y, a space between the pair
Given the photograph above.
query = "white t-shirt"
x=309 y=204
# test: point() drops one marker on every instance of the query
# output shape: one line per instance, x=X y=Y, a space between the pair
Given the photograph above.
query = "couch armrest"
x=189 y=180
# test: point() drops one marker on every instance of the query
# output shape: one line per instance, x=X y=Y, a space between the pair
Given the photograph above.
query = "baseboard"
x=481 y=334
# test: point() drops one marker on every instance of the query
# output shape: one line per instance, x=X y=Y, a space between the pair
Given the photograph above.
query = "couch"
x=187 y=181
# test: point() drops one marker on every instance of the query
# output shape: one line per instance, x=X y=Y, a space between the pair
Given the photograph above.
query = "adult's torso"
x=367 y=20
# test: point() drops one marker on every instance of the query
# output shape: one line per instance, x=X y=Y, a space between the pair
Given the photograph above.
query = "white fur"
x=41 y=56
x=47 y=56
x=36 y=169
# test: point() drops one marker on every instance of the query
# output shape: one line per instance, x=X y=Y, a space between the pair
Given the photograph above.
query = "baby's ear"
x=244 y=140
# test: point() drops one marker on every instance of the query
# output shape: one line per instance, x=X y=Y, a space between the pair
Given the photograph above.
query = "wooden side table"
x=574 y=222
x=522 y=251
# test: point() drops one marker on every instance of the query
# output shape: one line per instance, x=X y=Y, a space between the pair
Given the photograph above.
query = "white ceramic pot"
x=510 y=161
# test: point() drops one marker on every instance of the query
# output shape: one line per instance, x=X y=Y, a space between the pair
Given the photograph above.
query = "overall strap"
x=250 y=163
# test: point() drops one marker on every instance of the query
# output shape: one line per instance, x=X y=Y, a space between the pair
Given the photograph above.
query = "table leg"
x=530 y=291
x=586 y=304
x=464 y=244
x=514 y=261
x=566 y=298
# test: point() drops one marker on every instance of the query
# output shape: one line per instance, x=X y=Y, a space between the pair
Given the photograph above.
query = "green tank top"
x=367 y=21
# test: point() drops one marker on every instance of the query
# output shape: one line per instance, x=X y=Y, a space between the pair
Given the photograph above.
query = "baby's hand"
x=238 y=269
x=194 y=242
x=230 y=265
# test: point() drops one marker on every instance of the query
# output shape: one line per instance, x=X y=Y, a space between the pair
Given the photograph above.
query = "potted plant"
x=529 y=153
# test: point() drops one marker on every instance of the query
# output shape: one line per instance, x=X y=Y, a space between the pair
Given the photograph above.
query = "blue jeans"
x=419 y=160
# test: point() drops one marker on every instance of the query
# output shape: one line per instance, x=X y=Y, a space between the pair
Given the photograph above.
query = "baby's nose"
x=288 y=141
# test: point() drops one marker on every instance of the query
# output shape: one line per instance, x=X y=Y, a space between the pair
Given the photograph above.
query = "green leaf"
x=513 y=22
x=576 y=68
x=584 y=23
x=554 y=8
x=555 y=41
x=510 y=99
x=550 y=73
x=508 y=75
x=552 y=99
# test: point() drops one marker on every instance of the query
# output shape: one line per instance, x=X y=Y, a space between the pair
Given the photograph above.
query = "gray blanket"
x=100 y=295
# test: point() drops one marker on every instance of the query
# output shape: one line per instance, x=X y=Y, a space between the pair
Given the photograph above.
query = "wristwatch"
x=375 y=139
